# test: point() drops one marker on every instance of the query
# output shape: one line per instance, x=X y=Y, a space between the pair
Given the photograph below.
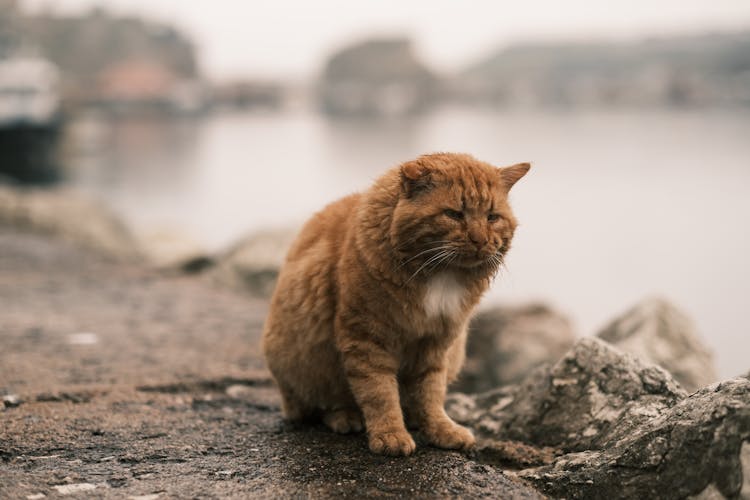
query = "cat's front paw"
x=395 y=443
x=450 y=436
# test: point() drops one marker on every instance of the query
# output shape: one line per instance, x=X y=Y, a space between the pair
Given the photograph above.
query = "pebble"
x=44 y=457
x=11 y=400
x=238 y=391
x=35 y=496
x=83 y=338
x=69 y=489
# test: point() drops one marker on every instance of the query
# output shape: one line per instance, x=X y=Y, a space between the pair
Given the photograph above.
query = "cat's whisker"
x=493 y=263
x=404 y=262
x=447 y=259
x=440 y=243
x=455 y=256
x=435 y=264
x=437 y=259
x=410 y=241
x=425 y=264
x=442 y=247
x=498 y=263
x=501 y=261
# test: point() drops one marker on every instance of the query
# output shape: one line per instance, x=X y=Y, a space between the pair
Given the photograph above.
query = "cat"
x=370 y=311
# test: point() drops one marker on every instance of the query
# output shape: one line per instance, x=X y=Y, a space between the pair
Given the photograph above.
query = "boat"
x=30 y=120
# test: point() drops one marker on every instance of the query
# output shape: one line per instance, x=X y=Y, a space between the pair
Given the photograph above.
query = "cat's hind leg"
x=344 y=420
x=294 y=409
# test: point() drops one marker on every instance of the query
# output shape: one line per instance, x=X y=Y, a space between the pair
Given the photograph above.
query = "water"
x=618 y=205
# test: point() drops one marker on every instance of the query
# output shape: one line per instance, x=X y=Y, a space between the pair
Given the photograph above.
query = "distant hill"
x=688 y=70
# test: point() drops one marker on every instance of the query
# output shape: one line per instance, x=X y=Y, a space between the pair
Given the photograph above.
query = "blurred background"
x=210 y=120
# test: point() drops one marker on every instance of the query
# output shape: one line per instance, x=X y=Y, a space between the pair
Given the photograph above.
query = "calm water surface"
x=617 y=206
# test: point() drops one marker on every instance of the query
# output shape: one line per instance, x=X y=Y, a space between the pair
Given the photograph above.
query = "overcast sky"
x=290 y=38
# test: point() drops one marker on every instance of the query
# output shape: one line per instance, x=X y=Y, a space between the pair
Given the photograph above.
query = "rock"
x=688 y=449
x=172 y=250
x=592 y=395
x=622 y=428
x=712 y=493
x=745 y=458
x=656 y=331
x=70 y=216
x=506 y=343
x=83 y=338
x=252 y=265
x=238 y=391
x=514 y=453
x=11 y=400
x=70 y=489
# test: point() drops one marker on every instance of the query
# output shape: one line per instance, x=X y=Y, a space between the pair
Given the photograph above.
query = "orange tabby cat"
x=370 y=312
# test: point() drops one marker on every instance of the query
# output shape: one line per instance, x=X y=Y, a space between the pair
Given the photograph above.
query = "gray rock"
x=622 y=428
x=68 y=215
x=252 y=265
x=745 y=459
x=506 y=343
x=70 y=489
x=591 y=396
x=689 y=449
x=712 y=493
x=658 y=332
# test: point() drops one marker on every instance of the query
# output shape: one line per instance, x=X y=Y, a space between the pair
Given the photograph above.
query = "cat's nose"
x=480 y=244
x=477 y=238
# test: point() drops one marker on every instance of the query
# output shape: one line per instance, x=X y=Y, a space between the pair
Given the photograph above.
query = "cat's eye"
x=454 y=214
x=493 y=217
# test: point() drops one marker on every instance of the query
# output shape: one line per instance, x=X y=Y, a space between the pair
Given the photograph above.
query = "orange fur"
x=370 y=312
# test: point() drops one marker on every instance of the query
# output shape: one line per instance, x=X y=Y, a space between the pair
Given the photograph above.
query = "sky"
x=291 y=38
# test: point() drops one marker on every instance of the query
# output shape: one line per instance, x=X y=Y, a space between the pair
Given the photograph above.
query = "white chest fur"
x=443 y=296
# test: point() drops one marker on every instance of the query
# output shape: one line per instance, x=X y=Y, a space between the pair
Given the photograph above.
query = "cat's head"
x=453 y=211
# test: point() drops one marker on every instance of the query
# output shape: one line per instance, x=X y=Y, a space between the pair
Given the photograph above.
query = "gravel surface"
x=121 y=382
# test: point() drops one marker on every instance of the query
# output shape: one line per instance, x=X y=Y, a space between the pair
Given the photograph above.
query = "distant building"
x=9 y=30
x=700 y=70
x=135 y=80
x=376 y=78
x=141 y=85
x=95 y=49
x=249 y=95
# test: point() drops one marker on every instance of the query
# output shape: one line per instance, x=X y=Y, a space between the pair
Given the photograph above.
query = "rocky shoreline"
x=124 y=375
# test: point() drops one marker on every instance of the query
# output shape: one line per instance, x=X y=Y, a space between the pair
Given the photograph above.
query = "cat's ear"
x=513 y=174
x=415 y=178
